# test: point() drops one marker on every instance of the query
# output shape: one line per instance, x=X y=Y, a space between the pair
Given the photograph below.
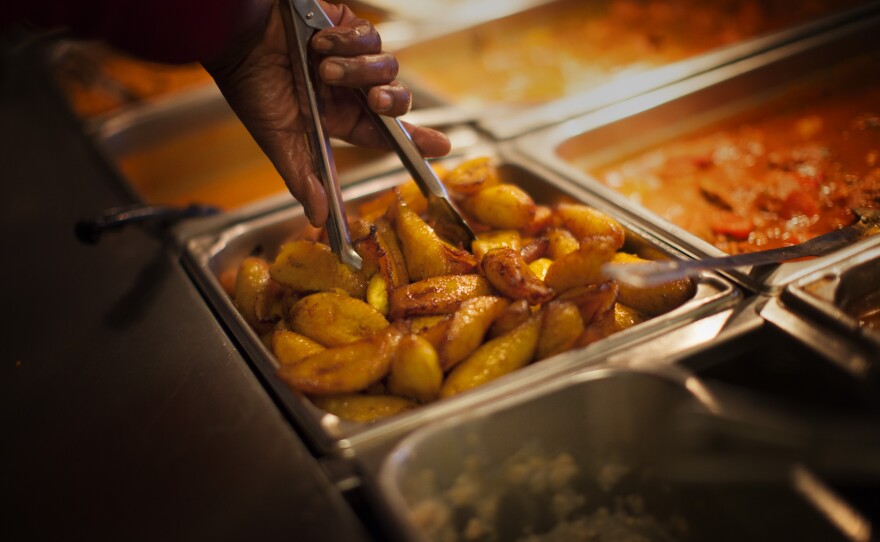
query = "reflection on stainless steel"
x=787 y=360
x=702 y=393
x=210 y=255
x=832 y=295
x=844 y=516
x=837 y=348
x=699 y=332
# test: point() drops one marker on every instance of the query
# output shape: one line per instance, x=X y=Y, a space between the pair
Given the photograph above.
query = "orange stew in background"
x=786 y=173
x=569 y=47
x=217 y=163
x=98 y=79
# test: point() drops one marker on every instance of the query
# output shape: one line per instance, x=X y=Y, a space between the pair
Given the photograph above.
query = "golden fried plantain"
x=415 y=371
x=540 y=266
x=362 y=408
x=425 y=253
x=495 y=358
x=377 y=294
x=227 y=279
x=530 y=287
x=542 y=220
x=421 y=324
x=409 y=192
x=515 y=314
x=505 y=207
x=583 y=221
x=436 y=295
x=626 y=317
x=655 y=300
x=290 y=347
x=581 y=267
x=561 y=242
x=619 y=318
x=334 y=319
x=468 y=327
x=562 y=326
x=377 y=244
x=307 y=266
x=593 y=300
x=486 y=241
x=255 y=294
x=433 y=328
x=345 y=369
x=534 y=249
x=510 y=275
x=363 y=240
x=392 y=264
x=471 y=176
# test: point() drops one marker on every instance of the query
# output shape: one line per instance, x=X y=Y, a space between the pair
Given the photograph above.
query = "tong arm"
x=300 y=26
x=311 y=16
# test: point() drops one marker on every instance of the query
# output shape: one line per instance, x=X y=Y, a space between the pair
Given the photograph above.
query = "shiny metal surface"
x=209 y=254
x=631 y=126
x=821 y=306
x=659 y=436
x=776 y=359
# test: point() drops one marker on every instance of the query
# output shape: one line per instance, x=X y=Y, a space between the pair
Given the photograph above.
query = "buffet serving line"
x=213 y=371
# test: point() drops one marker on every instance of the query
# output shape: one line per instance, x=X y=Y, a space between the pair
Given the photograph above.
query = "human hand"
x=256 y=78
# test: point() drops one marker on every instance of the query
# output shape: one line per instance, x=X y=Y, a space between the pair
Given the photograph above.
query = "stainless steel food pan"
x=585 y=144
x=834 y=296
x=457 y=53
x=771 y=356
x=209 y=255
x=611 y=454
x=191 y=148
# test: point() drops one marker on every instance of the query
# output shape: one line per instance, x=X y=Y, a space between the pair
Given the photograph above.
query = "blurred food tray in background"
x=764 y=152
x=549 y=62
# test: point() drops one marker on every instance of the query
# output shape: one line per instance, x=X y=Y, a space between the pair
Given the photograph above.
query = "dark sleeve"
x=160 y=30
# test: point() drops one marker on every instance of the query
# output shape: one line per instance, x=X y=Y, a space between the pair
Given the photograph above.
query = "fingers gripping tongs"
x=302 y=18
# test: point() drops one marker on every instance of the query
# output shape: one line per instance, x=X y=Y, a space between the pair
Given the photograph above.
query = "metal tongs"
x=302 y=18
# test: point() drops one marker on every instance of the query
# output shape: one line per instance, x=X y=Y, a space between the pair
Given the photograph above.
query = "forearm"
x=160 y=30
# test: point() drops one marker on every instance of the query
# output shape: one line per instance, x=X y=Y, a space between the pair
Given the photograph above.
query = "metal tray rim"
x=822 y=310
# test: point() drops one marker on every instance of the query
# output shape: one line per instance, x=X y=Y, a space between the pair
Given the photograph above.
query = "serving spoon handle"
x=654 y=273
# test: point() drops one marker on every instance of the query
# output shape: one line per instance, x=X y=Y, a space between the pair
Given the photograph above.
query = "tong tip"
x=454 y=225
x=351 y=258
x=645 y=275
